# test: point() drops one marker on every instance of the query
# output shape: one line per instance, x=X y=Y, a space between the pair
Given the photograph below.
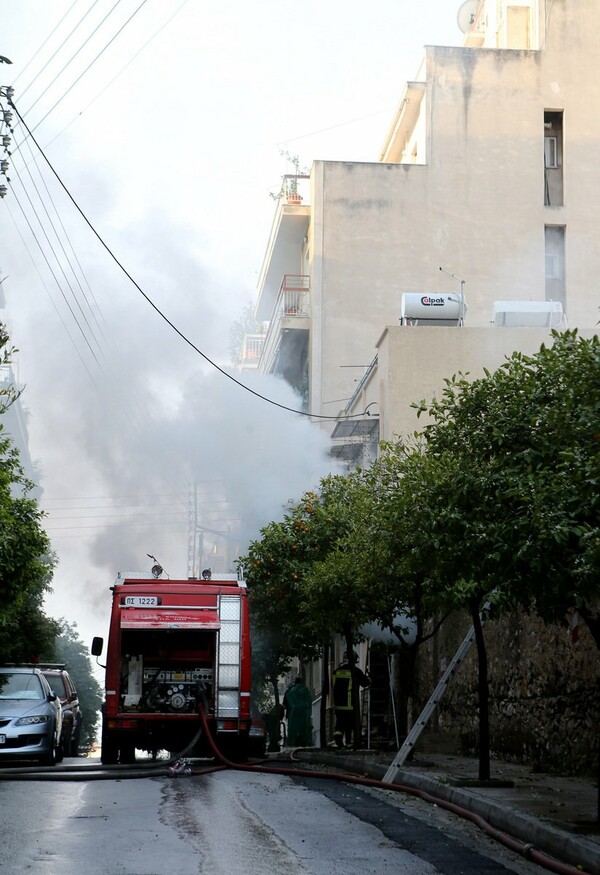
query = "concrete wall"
x=413 y=363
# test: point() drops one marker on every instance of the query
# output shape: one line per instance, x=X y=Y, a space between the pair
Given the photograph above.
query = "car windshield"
x=58 y=685
x=20 y=686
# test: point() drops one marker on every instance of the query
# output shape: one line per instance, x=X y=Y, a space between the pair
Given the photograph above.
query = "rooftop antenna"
x=462 y=293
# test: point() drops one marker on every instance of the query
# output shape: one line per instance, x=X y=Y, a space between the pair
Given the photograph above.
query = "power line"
x=50 y=268
x=48 y=241
x=72 y=58
x=120 y=73
x=50 y=35
x=72 y=290
x=89 y=66
x=158 y=310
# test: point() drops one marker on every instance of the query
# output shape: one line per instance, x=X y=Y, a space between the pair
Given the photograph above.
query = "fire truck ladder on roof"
x=434 y=700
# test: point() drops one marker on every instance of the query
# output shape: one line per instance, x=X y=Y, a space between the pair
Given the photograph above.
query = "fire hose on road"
x=166 y=768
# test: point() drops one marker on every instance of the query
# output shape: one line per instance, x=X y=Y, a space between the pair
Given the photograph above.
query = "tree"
x=530 y=435
x=276 y=568
x=26 y=562
x=516 y=497
x=68 y=648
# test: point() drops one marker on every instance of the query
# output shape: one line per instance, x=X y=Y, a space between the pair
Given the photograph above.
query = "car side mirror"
x=97 y=645
x=52 y=697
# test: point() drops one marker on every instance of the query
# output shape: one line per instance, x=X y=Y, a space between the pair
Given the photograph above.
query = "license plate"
x=2 y=739
x=141 y=601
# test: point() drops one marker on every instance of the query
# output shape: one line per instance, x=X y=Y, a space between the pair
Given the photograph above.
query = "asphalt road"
x=230 y=822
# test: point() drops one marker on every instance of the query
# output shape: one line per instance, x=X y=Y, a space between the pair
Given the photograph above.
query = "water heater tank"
x=424 y=309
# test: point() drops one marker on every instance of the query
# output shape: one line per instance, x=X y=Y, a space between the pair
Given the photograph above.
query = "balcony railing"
x=293 y=298
x=293 y=302
x=251 y=350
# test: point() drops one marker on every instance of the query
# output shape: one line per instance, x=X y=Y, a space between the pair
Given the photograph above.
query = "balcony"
x=251 y=351
x=285 y=348
x=283 y=254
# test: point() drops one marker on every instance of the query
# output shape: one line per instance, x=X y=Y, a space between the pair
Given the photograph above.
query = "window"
x=550 y=152
x=552 y=267
x=553 y=158
x=554 y=257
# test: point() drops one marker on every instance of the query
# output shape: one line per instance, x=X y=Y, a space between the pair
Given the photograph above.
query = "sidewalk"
x=555 y=814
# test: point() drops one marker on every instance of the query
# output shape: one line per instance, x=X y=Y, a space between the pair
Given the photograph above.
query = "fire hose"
x=164 y=768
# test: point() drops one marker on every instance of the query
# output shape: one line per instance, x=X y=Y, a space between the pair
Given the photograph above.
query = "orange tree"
x=524 y=446
x=379 y=568
x=515 y=501
x=276 y=566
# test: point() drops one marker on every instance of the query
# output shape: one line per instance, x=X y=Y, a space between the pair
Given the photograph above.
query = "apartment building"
x=485 y=197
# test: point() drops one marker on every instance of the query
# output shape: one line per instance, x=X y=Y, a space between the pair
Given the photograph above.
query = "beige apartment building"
x=473 y=235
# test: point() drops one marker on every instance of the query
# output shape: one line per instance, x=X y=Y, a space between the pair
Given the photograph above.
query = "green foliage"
x=8 y=393
x=25 y=560
x=68 y=648
x=521 y=497
x=276 y=567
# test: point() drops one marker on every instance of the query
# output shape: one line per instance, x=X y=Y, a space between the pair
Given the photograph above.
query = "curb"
x=561 y=845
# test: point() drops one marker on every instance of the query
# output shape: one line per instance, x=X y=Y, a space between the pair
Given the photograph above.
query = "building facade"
x=487 y=186
x=485 y=196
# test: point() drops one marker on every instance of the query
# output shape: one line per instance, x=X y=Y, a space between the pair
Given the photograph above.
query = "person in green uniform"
x=298 y=707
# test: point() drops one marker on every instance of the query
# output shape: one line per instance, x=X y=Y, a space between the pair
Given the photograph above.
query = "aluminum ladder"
x=434 y=699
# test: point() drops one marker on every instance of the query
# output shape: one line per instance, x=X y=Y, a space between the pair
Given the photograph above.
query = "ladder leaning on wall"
x=434 y=699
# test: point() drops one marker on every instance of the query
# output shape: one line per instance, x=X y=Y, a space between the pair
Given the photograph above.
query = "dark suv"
x=62 y=683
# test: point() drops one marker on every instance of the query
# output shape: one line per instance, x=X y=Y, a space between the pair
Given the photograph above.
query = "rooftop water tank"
x=528 y=314
x=424 y=309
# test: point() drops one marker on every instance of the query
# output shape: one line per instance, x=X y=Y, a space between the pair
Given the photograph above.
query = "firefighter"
x=346 y=680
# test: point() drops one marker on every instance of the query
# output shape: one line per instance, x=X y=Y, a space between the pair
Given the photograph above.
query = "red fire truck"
x=174 y=646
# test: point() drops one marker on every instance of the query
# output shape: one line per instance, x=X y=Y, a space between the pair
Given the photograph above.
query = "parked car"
x=30 y=716
x=63 y=685
x=258 y=738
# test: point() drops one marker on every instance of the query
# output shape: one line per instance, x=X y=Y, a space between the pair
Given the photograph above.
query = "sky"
x=168 y=122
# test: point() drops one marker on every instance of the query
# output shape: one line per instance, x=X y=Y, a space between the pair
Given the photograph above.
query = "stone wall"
x=544 y=693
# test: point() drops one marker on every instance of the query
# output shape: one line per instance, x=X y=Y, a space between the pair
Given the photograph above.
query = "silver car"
x=30 y=716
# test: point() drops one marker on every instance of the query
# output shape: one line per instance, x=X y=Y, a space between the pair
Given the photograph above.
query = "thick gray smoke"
x=121 y=440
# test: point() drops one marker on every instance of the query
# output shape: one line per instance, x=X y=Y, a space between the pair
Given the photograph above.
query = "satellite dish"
x=466 y=15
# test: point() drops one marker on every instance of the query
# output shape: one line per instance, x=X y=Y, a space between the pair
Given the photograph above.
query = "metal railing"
x=293 y=302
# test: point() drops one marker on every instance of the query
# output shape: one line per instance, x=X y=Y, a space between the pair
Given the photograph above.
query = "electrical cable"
x=45 y=43
x=64 y=252
x=114 y=79
x=49 y=61
x=159 y=311
x=136 y=408
x=72 y=58
x=71 y=247
x=41 y=277
x=89 y=66
x=50 y=268
x=48 y=241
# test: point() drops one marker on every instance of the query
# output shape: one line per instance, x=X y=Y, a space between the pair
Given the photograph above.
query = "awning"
x=355 y=427
x=136 y=619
